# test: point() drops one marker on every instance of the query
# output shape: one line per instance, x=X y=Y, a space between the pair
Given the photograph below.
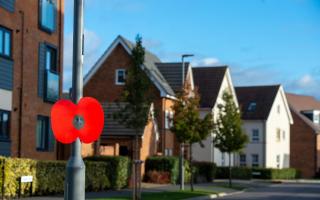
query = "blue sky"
x=262 y=41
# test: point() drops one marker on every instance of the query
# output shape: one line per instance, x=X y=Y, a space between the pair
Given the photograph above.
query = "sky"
x=262 y=41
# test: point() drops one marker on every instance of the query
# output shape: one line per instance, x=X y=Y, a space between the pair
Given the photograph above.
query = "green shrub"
x=2 y=160
x=204 y=170
x=118 y=169
x=96 y=177
x=50 y=176
x=15 y=168
x=269 y=173
x=167 y=164
x=237 y=172
x=164 y=164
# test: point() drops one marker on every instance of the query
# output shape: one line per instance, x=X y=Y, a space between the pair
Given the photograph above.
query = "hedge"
x=117 y=169
x=49 y=176
x=204 y=171
x=269 y=173
x=166 y=164
x=258 y=173
x=237 y=173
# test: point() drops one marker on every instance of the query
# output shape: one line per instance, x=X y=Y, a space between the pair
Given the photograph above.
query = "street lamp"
x=182 y=58
x=181 y=161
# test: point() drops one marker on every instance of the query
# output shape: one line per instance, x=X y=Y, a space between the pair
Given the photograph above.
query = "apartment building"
x=266 y=119
x=31 y=49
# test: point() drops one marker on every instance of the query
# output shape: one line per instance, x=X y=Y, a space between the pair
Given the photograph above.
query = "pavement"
x=249 y=190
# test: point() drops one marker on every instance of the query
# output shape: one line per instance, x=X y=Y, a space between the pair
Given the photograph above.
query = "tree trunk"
x=191 y=168
x=230 y=171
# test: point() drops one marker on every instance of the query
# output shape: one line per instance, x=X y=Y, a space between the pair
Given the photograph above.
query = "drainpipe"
x=21 y=84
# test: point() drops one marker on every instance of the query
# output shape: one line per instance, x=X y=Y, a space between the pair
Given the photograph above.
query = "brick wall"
x=32 y=105
x=302 y=147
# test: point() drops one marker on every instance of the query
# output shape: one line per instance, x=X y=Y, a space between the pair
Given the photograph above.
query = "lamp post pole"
x=181 y=156
x=75 y=182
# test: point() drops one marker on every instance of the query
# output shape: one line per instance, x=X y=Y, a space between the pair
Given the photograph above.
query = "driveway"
x=284 y=191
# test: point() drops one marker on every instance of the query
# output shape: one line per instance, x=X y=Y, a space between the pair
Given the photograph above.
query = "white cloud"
x=208 y=61
x=306 y=84
x=92 y=45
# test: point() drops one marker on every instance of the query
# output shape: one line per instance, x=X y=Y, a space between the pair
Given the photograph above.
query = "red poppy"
x=69 y=121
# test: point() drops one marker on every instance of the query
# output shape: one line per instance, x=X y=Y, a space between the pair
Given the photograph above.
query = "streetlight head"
x=187 y=55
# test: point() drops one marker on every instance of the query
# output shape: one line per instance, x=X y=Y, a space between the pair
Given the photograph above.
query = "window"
x=45 y=140
x=51 y=59
x=170 y=119
x=278 y=161
x=255 y=160
x=120 y=76
x=168 y=152
x=255 y=135
x=4 y=125
x=243 y=160
x=223 y=159
x=167 y=119
x=51 y=86
x=5 y=42
x=47 y=15
x=252 y=106
x=278 y=109
x=278 y=135
x=283 y=135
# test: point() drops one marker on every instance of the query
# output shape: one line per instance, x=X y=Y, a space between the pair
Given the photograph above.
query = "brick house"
x=305 y=138
x=31 y=49
x=211 y=83
x=105 y=82
x=266 y=120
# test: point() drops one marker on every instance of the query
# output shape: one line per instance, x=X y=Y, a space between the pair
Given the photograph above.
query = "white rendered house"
x=266 y=119
x=211 y=83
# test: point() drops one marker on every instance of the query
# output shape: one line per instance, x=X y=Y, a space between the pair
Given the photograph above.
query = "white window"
x=255 y=160
x=168 y=152
x=120 y=76
x=243 y=160
x=255 y=135
x=223 y=159
x=171 y=119
x=278 y=161
x=278 y=139
x=167 y=119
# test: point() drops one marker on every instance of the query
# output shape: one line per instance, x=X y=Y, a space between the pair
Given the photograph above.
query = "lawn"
x=166 y=195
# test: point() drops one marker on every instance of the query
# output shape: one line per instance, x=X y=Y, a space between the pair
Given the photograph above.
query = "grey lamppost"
x=181 y=160
x=75 y=180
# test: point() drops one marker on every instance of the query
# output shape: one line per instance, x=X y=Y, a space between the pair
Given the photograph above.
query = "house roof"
x=262 y=96
x=149 y=66
x=172 y=72
x=111 y=126
x=208 y=80
x=298 y=103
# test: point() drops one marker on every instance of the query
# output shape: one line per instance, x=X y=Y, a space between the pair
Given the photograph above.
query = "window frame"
x=50 y=47
x=117 y=77
x=252 y=106
x=6 y=30
x=41 y=26
x=243 y=163
x=2 y=137
x=253 y=162
x=255 y=139
x=46 y=121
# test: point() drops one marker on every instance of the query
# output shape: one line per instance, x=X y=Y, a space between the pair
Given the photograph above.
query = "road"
x=284 y=191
